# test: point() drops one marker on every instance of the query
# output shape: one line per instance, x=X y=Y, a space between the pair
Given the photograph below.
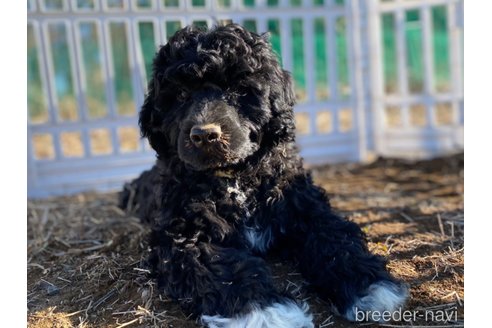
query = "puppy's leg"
x=224 y=286
x=140 y=196
x=334 y=258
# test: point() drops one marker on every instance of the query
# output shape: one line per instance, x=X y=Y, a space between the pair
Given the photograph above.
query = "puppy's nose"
x=204 y=134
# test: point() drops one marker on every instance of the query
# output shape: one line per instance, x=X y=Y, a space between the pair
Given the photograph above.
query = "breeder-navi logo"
x=407 y=316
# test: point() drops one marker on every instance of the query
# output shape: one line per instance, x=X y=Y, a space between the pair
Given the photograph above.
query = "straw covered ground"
x=85 y=266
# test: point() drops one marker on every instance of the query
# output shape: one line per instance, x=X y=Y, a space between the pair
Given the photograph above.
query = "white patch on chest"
x=260 y=240
x=237 y=193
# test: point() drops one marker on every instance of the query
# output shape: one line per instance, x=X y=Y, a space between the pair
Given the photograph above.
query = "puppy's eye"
x=182 y=95
x=254 y=137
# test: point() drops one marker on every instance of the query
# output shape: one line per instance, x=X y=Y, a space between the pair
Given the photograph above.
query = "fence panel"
x=419 y=101
x=360 y=90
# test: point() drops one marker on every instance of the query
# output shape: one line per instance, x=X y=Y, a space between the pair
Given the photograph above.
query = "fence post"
x=455 y=30
x=375 y=75
x=357 y=76
x=32 y=177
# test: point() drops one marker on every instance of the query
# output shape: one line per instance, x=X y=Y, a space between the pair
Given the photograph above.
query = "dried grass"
x=85 y=255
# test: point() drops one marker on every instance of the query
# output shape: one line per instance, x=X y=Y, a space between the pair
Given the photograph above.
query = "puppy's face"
x=215 y=127
x=216 y=98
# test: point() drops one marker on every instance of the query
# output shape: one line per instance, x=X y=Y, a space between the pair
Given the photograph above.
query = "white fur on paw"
x=278 y=315
x=382 y=297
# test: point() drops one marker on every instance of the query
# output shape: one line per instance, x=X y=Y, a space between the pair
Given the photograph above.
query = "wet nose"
x=204 y=134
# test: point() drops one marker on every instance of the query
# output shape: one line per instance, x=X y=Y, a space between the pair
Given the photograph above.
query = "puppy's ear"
x=146 y=119
x=288 y=89
x=151 y=118
x=282 y=99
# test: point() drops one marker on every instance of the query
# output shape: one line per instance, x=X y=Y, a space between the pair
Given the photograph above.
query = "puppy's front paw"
x=379 y=303
x=278 y=315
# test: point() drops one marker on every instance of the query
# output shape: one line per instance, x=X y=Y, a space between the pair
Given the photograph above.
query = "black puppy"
x=229 y=186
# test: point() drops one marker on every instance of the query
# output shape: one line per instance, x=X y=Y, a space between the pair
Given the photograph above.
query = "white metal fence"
x=426 y=118
x=88 y=65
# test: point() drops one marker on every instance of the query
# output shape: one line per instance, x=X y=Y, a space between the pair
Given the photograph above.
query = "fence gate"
x=417 y=77
x=89 y=60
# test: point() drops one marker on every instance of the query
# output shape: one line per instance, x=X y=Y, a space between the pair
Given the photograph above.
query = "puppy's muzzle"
x=202 y=135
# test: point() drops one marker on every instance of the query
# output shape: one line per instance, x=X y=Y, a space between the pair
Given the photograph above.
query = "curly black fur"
x=218 y=209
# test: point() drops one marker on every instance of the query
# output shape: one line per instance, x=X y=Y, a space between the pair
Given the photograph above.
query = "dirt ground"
x=84 y=253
